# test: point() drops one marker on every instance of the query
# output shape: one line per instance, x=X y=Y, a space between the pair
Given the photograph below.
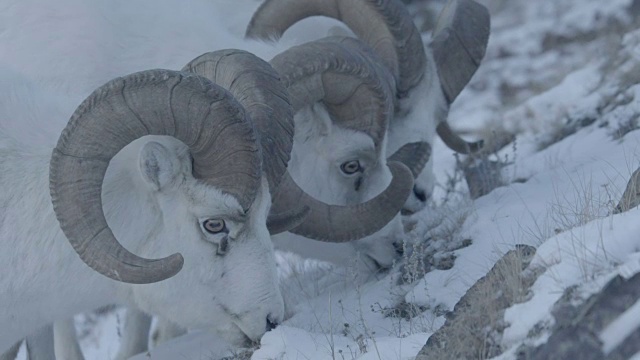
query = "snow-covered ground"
x=562 y=76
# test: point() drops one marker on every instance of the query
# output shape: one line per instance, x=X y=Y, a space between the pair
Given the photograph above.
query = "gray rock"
x=576 y=336
x=631 y=196
x=474 y=328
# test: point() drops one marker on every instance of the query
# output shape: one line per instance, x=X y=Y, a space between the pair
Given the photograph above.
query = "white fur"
x=319 y=148
x=419 y=115
x=44 y=278
x=65 y=341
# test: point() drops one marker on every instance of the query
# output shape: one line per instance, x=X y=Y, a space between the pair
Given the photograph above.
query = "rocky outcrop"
x=474 y=327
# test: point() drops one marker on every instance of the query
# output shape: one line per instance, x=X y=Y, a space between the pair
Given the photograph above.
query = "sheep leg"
x=135 y=334
x=65 y=341
x=40 y=344
x=12 y=352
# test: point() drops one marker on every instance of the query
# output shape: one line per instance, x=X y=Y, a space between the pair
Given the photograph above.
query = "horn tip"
x=474 y=147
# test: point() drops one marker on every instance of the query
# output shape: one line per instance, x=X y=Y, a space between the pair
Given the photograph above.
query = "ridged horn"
x=335 y=223
x=346 y=77
x=455 y=142
x=459 y=43
x=413 y=155
x=257 y=87
x=222 y=142
x=385 y=25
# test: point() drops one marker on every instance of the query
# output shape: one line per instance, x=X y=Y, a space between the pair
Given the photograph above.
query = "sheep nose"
x=271 y=324
x=419 y=193
x=399 y=247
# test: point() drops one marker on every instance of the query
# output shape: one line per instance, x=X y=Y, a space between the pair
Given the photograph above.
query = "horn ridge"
x=256 y=85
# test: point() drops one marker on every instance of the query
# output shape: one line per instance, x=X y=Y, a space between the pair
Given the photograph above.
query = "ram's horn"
x=459 y=43
x=191 y=108
x=413 y=155
x=334 y=223
x=385 y=25
x=455 y=142
x=257 y=87
x=346 y=77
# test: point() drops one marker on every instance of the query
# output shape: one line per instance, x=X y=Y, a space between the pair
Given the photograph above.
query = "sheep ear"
x=321 y=118
x=158 y=166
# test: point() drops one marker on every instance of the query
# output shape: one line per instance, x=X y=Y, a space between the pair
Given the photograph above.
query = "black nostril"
x=271 y=324
x=399 y=247
x=419 y=193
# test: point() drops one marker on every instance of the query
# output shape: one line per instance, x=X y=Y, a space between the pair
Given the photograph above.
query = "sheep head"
x=458 y=46
x=342 y=98
x=206 y=195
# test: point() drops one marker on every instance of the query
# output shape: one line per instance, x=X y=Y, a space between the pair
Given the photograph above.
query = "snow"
x=530 y=84
x=577 y=256
x=201 y=343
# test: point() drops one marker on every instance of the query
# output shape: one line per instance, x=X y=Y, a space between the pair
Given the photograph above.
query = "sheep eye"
x=214 y=226
x=350 y=167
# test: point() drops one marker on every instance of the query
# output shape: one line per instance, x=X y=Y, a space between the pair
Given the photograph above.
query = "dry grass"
x=473 y=329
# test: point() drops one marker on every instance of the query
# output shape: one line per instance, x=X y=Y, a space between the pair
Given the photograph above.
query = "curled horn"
x=335 y=223
x=286 y=221
x=194 y=110
x=385 y=25
x=257 y=87
x=346 y=77
x=459 y=44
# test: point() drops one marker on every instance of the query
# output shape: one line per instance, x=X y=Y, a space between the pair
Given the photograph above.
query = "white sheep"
x=343 y=102
x=155 y=202
x=426 y=82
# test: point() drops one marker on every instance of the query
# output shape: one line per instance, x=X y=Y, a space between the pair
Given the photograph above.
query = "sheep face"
x=229 y=274
x=342 y=167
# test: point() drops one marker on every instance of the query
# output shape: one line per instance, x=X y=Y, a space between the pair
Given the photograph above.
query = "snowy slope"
x=560 y=76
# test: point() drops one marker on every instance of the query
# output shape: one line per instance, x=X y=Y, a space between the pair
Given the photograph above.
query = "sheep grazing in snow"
x=207 y=200
x=338 y=157
x=342 y=137
x=426 y=83
x=342 y=99
x=201 y=185
x=329 y=133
